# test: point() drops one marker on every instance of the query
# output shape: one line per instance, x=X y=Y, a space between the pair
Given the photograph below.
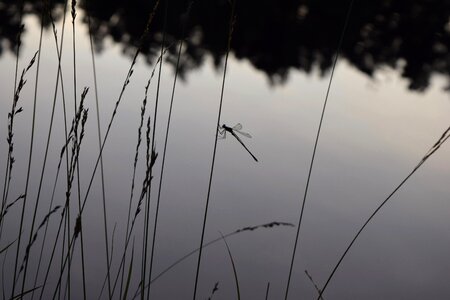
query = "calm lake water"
x=376 y=129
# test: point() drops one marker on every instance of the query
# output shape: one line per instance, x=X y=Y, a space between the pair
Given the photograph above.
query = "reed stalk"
x=230 y=34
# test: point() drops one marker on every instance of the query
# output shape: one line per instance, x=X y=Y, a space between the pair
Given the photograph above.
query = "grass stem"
x=230 y=34
x=316 y=142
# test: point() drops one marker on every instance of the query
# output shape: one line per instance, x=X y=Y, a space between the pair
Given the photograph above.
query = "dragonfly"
x=232 y=130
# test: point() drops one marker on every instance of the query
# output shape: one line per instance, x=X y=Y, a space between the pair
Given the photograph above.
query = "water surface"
x=387 y=106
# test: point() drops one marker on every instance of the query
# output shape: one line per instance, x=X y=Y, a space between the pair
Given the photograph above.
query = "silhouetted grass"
x=22 y=294
x=34 y=237
x=30 y=156
x=150 y=161
x=130 y=271
x=218 y=239
x=80 y=119
x=74 y=47
x=59 y=80
x=148 y=196
x=15 y=110
x=316 y=143
x=214 y=290
x=161 y=175
x=75 y=144
x=125 y=84
x=151 y=157
x=230 y=34
x=135 y=162
x=63 y=151
x=236 y=279
x=10 y=162
x=267 y=290
x=7 y=247
x=5 y=211
x=442 y=139
x=19 y=43
x=136 y=158
x=71 y=150
x=125 y=271
x=110 y=260
x=314 y=283
x=49 y=134
x=102 y=176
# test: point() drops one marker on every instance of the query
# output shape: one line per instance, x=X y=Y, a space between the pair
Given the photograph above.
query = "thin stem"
x=74 y=2
x=430 y=152
x=102 y=176
x=187 y=255
x=230 y=33
x=267 y=290
x=136 y=159
x=341 y=39
x=314 y=283
x=59 y=52
x=236 y=280
x=165 y=147
x=30 y=156
x=16 y=73
x=126 y=82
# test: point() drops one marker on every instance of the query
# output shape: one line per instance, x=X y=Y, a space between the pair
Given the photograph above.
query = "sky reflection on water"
x=375 y=131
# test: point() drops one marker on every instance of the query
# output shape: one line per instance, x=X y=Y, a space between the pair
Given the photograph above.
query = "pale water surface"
x=375 y=131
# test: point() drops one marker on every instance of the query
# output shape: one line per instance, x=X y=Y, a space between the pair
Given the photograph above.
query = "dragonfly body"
x=227 y=128
x=232 y=130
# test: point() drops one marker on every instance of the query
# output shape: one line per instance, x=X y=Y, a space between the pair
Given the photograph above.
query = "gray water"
x=375 y=131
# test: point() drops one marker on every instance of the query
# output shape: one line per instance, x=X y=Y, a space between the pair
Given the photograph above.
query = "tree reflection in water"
x=411 y=36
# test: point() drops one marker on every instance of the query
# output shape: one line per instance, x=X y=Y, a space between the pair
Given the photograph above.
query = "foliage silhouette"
x=274 y=36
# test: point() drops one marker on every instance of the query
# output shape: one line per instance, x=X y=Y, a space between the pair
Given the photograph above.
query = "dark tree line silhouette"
x=412 y=36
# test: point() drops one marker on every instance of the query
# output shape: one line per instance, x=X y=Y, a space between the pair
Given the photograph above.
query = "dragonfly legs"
x=222 y=133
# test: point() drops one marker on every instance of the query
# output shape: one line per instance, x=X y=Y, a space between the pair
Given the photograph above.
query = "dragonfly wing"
x=238 y=126
x=222 y=134
x=243 y=133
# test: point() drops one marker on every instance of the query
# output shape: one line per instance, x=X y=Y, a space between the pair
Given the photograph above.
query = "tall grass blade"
x=16 y=73
x=63 y=150
x=30 y=152
x=80 y=117
x=102 y=176
x=151 y=157
x=5 y=211
x=30 y=156
x=153 y=142
x=49 y=14
x=192 y=252
x=34 y=238
x=10 y=136
x=314 y=283
x=161 y=175
x=230 y=34
x=214 y=290
x=130 y=271
x=444 y=137
x=267 y=290
x=20 y=296
x=7 y=246
x=316 y=142
x=74 y=15
x=236 y=280
x=59 y=52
